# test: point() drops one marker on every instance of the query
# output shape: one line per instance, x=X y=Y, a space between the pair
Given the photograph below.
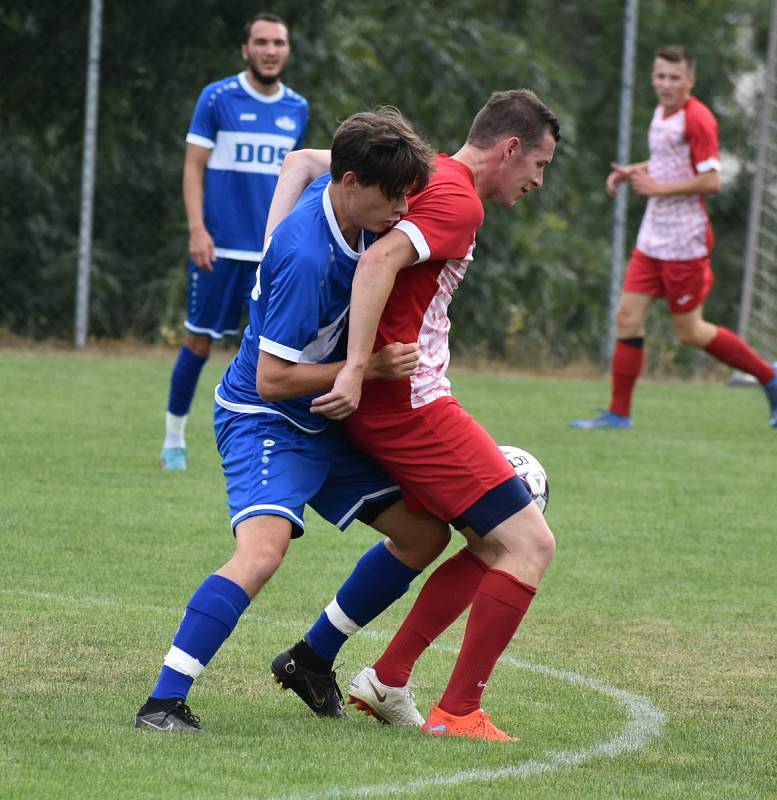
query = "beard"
x=267 y=80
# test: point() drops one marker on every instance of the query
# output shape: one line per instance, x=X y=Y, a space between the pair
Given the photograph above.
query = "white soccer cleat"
x=390 y=704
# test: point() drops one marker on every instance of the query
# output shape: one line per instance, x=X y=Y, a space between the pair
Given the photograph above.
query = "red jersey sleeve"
x=701 y=133
x=442 y=221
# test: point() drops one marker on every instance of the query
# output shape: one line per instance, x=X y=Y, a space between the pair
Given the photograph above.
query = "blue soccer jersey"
x=249 y=135
x=299 y=306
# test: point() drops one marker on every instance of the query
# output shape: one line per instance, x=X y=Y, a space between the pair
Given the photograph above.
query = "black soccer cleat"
x=318 y=691
x=170 y=716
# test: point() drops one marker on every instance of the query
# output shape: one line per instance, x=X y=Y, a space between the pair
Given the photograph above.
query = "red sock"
x=627 y=363
x=446 y=595
x=730 y=349
x=497 y=610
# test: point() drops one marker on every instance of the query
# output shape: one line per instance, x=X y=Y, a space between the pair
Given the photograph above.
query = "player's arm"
x=701 y=134
x=372 y=285
x=702 y=183
x=202 y=250
x=278 y=379
x=300 y=168
x=621 y=173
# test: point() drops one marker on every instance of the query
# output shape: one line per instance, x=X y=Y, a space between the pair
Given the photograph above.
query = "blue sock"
x=183 y=382
x=210 y=617
x=378 y=579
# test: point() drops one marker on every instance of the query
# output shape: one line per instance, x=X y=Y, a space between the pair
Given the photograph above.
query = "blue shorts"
x=272 y=467
x=217 y=299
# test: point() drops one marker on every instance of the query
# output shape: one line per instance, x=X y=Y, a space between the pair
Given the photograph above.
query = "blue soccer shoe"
x=173 y=458
x=606 y=419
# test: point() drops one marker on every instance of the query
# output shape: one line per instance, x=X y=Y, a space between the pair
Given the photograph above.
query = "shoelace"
x=333 y=678
x=185 y=713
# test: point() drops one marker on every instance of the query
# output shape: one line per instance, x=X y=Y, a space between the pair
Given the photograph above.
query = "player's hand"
x=643 y=184
x=202 y=249
x=344 y=397
x=394 y=360
x=619 y=174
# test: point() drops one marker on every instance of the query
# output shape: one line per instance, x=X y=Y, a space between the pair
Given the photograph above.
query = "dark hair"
x=677 y=53
x=262 y=16
x=380 y=147
x=516 y=112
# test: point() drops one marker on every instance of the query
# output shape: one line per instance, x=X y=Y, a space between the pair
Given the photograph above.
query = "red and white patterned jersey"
x=682 y=144
x=441 y=222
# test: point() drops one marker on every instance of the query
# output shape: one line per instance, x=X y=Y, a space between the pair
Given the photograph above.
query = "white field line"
x=645 y=721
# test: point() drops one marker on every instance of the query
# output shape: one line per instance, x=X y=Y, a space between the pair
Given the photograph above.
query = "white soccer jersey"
x=682 y=144
x=441 y=222
x=249 y=135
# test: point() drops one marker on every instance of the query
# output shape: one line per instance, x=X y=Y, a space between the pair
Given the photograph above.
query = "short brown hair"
x=516 y=112
x=380 y=147
x=677 y=53
x=262 y=16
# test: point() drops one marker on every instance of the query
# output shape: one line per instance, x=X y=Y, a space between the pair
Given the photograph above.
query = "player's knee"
x=691 y=336
x=261 y=565
x=258 y=556
x=420 y=551
x=546 y=545
x=434 y=545
x=627 y=322
x=199 y=345
x=539 y=542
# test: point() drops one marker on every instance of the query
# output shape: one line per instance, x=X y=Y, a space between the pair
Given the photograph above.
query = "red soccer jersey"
x=441 y=222
x=682 y=144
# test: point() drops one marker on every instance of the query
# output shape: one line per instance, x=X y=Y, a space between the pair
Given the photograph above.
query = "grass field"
x=647 y=667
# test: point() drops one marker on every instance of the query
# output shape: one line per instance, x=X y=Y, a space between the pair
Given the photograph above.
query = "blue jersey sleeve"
x=205 y=123
x=304 y=120
x=291 y=318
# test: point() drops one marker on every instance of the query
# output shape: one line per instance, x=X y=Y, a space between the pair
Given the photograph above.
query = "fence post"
x=87 y=174
x=624 y=155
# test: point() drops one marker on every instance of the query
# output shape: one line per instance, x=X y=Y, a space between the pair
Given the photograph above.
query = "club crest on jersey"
x=286 y=123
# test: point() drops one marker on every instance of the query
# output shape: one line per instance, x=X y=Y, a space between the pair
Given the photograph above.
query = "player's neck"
x=478 y=162
x=667 y=111
x=263 y=88
x=350 y=230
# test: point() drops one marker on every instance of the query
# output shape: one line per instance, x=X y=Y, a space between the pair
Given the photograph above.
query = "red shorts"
x=685 y=284
x=443 y=460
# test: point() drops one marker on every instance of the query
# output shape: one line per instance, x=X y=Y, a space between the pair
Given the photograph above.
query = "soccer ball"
x=531 y=472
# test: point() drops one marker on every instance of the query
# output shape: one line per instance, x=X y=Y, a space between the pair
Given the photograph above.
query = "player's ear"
x=244 y=52
x=511 y=148
x=350 y=182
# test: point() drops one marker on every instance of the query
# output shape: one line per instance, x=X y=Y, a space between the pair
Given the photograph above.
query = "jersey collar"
x=262 y=98
x=335 y=228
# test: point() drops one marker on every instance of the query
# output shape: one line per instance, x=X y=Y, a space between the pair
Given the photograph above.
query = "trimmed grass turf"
x=663 y=586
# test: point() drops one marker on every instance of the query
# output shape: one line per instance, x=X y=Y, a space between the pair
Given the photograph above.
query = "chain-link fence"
x=541 y=271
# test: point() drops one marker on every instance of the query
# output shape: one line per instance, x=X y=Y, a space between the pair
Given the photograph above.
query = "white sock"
x=175 y=427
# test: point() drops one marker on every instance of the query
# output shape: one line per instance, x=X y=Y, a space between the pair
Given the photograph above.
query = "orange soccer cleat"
x=475 y=725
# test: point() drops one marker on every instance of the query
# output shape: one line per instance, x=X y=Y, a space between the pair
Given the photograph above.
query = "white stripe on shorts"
x=355 y=508
x=182 y=662
x=340 y=619
x=268 y=507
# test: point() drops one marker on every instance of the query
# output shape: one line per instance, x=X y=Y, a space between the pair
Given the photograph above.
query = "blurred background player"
x=241 y=130
x=443 y=460
x=276 y=454
x=672 y=255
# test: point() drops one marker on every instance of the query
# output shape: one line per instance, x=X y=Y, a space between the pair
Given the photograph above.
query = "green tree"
x=540 y=280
